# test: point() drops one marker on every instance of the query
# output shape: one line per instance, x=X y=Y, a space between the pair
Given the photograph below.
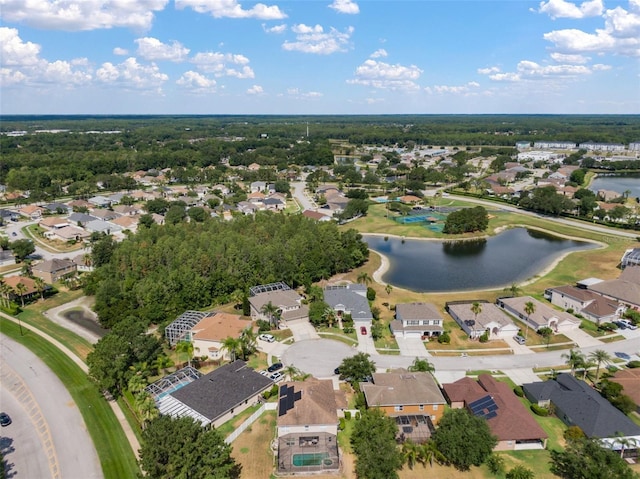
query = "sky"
x=319 y=57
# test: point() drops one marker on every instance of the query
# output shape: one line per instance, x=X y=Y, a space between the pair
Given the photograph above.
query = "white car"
x=265 y=373
x=269 y=338
x=275 y=377
x=628 y=324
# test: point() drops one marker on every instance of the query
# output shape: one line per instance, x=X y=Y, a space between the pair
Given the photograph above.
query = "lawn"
x=252 y=448
x=116 y=457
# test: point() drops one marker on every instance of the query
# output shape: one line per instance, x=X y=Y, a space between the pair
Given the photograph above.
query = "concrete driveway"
x=522 y=376
x=517 y=347
x=582 y=339
x=302 y=330
x=365 y=341
x=318 y=357
x=412 y=347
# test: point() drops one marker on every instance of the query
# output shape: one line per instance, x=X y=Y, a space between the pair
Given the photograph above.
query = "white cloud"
x=120 y=51
x=154 y=50
x=275 y=29
x=456 y=90
x=345 y=6
x=232 y=9
x=223 y=64
x=255 y=90
x=563 y=9
x=316 y=40
x=20 y=63
x=528 y=70
x=569 y=58
x=600 y=67
x=488 y=71
x=385 y=76
x=620 y=35
x=131 y=75
x=380 y=53
x=297 y=93
x=77 y=15
x=197 y=82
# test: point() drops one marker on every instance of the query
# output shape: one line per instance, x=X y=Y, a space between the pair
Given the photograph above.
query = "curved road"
x=48 y=437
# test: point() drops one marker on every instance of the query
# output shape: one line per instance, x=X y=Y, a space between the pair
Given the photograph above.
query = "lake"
x=620 y=184
x=513 y=256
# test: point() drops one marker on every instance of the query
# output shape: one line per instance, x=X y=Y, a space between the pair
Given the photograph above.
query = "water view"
x=618 y=183
x=511 y=257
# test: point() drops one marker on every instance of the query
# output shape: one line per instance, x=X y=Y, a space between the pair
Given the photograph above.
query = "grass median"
x=116 y=457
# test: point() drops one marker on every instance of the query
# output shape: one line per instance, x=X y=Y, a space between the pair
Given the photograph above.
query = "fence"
x=271 y=406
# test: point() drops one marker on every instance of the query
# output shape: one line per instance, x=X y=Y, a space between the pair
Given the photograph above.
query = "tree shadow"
x=6 y=448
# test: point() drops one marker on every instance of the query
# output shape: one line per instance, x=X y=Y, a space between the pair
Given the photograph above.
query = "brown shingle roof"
x=219 y=326
x=629 y=379
x=402 y=387
x=317 y=404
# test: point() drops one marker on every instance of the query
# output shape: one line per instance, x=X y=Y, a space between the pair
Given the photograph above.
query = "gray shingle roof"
x=583 y=406
x=353 y=297
x=223 y=389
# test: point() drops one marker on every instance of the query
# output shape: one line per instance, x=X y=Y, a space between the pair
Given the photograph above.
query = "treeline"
x=162 y=271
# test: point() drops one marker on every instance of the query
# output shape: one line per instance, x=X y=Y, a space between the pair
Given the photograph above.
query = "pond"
x=82 y=319
x=619 y=183
x=511 y=257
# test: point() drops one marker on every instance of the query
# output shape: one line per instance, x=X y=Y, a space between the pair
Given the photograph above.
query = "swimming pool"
x=313 y=459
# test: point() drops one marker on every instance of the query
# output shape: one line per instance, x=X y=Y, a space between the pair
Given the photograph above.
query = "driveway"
x=62 y=436
x=365 y=341
x=302 y=330
x=582 y=339
x=412 y=347
x=522 y=376
x=517 y=347
x=318 y=357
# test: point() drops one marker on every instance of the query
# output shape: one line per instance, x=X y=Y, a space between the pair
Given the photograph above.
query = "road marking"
x=17 y=386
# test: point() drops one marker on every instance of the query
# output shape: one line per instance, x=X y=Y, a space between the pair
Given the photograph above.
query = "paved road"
x=299 y=194
x=57 y=443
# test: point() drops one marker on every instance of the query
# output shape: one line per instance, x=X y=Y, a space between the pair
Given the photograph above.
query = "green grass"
x=233 y=423
x=115 y=454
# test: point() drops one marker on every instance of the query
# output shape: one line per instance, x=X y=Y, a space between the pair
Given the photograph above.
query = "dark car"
x=363 y=330
x=5 y=420
x=620 y=324
x=274 y=367
x=336 y=371
x=622 y=355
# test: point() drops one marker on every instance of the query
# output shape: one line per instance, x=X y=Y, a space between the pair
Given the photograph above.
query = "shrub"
x=633 y=364
x=348 y=330
x=518 y=390
x=347 y=415
x=12 y=308
x=484 y=338
x=371 y=293
x=540 y=411
x=444 y=338
x=341 y=424
x=358 y=415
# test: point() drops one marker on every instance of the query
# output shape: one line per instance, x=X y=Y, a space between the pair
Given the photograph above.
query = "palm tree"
x=271 y=312
x=514 y=290
x=187 y=348
x=231 y=345
x=476 y=309
x=27 y=269
x=5 y=290
x=162 y=362
x=364 y=278
x=247 y=342
x=388 y=288
x=21 y=290
x=429 y=452
x=625 y=442
x=146 y=406
x=315 y=293
x=529 y=308
x=410 y=453
x=40 y=286
x=237 y=297
x=599 y=356
x=422 y=365
x=575 y=360
x=136 y=384
x=329 y=315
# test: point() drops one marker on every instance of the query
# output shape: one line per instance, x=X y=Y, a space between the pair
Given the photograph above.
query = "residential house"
x=258 y=187
x=591 y=305
x=99 y=226
x=53 y=222
x=217 y=397
x=629 y=379
x=54 y=270
x=316 y=215
x=349 y=299
x=274 y=203
x=57 y=208
x=607 y=195
x=30 y=289
x=83 y=262
x=414 y=399
x=625 y=289
x=543 y=316
x=490 y=319
x=6 y=215
x=128 y=210
x=253 y=167
x=100 y=201
x=32 y=212
x=578 y=404
x=67 y=233
x=223 y=189
x=287 y=302
x=307 y=425
x=508 y=419
x=209 y=333
x=247 y=208
x=126 y=222
x=417 y=320
x=104 y=215
x=80 y=219
x=77 y=205
x=115 y=198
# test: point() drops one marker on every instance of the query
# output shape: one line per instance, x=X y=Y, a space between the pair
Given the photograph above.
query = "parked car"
x=275 y=377
x=5 y=420
x=336 y=371
x=265 y=373
x=363 y=330
x=620 y=324
x=269 y=338
x=519 y=339
x=622 y=355
x=628 y=324
x=274 y=367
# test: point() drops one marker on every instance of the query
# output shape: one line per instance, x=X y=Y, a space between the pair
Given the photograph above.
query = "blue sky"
x=319 y=57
